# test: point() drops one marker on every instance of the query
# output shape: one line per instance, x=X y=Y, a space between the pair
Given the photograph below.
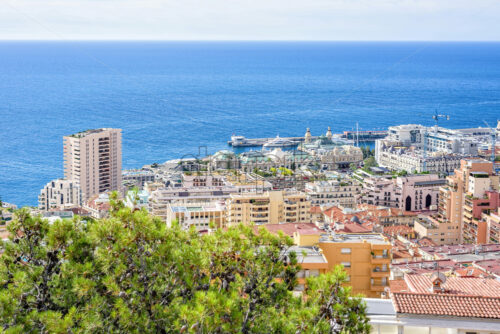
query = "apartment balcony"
x=380 y=273
x=378 y=286
x=381 y=259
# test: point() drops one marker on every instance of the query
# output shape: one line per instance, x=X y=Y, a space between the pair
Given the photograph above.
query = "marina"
x=359 y=136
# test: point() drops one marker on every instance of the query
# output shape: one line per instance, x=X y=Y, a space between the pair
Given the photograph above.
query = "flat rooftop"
x=373 y=238
x=89 y=132
x=308 y=254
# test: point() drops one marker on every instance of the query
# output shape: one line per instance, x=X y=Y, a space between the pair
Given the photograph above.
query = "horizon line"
x=250 y=40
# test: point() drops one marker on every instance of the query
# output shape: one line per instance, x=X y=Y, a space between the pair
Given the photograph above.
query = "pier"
x=361 y=136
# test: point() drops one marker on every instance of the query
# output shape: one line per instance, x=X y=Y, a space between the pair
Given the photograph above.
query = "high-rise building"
x=93 y=160
x=473 y=178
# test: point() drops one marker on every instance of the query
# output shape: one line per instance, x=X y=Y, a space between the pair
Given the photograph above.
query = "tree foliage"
x=131 y=273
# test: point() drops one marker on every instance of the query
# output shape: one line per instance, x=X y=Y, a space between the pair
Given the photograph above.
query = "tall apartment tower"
x=93 y=160
x=452 y=196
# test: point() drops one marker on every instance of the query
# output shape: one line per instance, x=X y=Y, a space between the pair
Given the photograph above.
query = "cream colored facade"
x=333 y=193
x=270 y=207
x=93 y=160
x=199 y=215
x=59 y=194
x=442 y=233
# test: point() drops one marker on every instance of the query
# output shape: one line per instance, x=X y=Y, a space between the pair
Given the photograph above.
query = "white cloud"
x=251 y=19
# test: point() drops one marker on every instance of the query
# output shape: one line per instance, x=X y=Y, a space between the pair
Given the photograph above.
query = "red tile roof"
x=397 y=230
x=315 y=209
x=456 y=285
x=448 y=305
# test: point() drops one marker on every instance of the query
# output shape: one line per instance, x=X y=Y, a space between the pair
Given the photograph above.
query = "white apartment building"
x=93 y=160
x=333 y=193
x=460 y=141
x=199 y=215
x=163 y=198
x=59 y=194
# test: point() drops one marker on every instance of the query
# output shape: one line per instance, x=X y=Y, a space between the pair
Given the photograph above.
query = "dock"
x=362 y=136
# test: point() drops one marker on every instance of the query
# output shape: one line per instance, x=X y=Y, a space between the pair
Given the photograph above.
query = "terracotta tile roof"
x=398 y=285
x=448 y=305
x=290 y=228
x=397 y=230
x=355 y=228
x=315 y=209
x=456 y=285
x=471 y=272
x=490 y=266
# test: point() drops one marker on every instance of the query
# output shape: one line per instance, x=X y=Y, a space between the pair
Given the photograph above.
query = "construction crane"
x=493 y=135
x=436 y=118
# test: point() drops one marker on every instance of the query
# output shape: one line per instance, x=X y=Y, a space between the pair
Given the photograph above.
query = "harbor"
x=356 y=136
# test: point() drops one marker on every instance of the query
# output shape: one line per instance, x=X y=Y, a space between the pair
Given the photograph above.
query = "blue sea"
x=170 y=98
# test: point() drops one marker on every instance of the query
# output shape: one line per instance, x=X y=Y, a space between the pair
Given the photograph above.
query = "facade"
x=59 y=194
x=93 y=160
x=137 y=178
x=439 y=231
x=162 y=198
x=417 y=192
x=269 y=207
x=365 y=257
x=410 y=160
x=452 y=196
x=199 y=215
x=378 y=190
x=461 y=141
x=333 y=193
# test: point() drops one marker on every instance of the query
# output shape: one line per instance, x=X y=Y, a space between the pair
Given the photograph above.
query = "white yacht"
x=237 y=139
x=279 y=142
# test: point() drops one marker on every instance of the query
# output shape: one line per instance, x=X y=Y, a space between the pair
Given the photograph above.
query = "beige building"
x=59 y=194
x=452 y=196
x=269 y=207
x=333 y=193
x=93 y=160
x=199 y=215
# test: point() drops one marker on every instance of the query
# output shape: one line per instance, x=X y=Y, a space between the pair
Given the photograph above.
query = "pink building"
x=409 y=193
x=419 y=192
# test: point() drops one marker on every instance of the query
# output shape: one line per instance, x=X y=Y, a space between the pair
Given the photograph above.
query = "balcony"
x=380 y=273
x=381 y=259
x=378 y=286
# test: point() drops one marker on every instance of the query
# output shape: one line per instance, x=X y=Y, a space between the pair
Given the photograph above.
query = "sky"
x=366 y=20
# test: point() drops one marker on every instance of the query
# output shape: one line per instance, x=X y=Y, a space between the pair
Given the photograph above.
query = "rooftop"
x=447 y=305
x=372 y=238
x=470 y=286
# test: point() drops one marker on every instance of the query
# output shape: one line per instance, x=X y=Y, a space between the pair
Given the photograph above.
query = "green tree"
x=131 y=273
x=369 y=162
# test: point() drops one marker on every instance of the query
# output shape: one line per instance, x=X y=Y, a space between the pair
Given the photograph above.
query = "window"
x=346 y=264
x=345 y=251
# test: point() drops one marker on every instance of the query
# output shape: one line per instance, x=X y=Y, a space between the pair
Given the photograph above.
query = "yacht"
x=237 y=139
x=279 y=142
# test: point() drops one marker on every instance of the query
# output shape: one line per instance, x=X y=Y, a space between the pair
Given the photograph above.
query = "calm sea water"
x=171 y=98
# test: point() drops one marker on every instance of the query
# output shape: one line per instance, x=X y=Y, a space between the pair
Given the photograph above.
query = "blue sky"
x=429 y=20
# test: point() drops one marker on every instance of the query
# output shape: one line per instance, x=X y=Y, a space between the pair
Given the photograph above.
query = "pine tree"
x=131 y=273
